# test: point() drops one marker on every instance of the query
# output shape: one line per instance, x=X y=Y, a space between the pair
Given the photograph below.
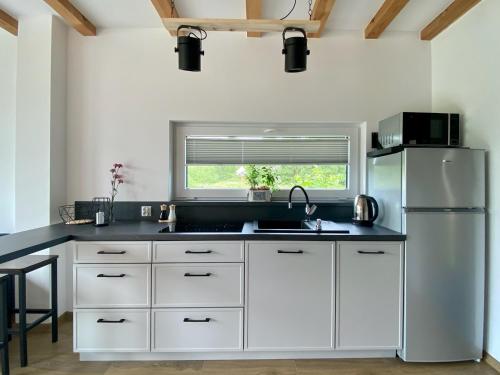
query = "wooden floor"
x=58 y=359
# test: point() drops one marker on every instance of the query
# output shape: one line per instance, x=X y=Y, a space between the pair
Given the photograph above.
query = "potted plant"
x=262 y=181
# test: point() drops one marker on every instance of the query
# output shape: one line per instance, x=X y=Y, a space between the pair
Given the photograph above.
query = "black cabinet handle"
x=110 y=321
x=199 y=252
x=197 y=274
x=189 y=320
x=104 y=275
x=102 y=252
x=371 y=252
x=290 y=252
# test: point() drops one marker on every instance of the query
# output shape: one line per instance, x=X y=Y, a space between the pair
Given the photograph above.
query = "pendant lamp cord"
x=309 y=3
x=203 y=33
x=291 y=10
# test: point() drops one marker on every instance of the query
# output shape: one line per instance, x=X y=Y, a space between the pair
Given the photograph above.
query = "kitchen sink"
x=299 y=226
x=280 y=224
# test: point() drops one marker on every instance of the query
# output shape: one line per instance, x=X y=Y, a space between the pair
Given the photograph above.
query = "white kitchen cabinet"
x=113 y=252
x=111 y=285
x=369 y=295
x=111 y=330
x=198 y=251
x=290 y=294
x=197 y=330
x=198 y=285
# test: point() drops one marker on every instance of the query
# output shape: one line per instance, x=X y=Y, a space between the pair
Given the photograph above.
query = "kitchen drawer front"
x=112 y=285
x=198 y=285
x=198 y=251
x=113 y=252
x=369 y=295
x=111 y=330
x=197 y=330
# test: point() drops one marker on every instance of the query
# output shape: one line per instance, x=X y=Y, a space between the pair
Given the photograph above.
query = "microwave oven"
x=420 y=129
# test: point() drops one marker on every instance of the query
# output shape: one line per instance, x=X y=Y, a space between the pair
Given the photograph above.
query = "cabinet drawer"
x=198 y=251
x=112 y=285
x=198 y=285
x=369 y=295
x=112 y=252
x=111 y=330
x=200 y=330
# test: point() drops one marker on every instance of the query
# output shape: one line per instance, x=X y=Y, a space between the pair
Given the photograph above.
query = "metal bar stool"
x=4 y=335
x=21 y=267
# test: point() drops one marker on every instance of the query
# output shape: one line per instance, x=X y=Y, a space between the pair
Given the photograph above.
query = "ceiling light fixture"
x=189 y=48
x=295 y=51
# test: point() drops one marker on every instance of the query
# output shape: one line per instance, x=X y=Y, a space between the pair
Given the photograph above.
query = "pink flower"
x=118 y=176
x=117 y=165
x=120 y=181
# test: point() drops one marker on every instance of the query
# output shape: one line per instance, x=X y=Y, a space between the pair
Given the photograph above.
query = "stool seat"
x=26 y=264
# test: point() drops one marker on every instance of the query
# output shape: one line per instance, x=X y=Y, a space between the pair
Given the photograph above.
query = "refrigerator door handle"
x=445 y=209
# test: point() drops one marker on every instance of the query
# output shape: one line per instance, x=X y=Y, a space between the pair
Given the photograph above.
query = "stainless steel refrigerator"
x=436 y=196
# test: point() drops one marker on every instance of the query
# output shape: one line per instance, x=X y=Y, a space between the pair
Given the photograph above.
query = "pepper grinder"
x=163 y=214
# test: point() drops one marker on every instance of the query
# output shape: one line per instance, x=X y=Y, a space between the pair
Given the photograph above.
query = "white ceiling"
x=346 y=15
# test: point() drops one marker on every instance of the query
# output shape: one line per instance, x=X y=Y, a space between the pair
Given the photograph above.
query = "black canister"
x=295 y=51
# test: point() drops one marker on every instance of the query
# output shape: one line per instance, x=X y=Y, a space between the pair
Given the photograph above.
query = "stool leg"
x=4 y=328
x=11 y=302
x=53 y=299
x=23 y=343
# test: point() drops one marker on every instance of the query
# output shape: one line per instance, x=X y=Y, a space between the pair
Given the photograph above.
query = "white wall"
x=124 y=87
x=41 y=140
x=33 y=123
x=466 y=79
x=8 y=61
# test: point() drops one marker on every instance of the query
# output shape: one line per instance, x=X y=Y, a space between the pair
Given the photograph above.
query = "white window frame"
x=181 y=130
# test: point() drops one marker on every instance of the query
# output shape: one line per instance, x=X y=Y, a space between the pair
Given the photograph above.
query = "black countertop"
x=23 y=243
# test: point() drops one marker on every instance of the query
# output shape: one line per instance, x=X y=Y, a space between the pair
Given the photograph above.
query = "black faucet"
x=309 y=209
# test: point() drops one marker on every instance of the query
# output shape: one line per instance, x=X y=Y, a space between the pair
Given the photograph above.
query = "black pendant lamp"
x=295 y=51
x=189 y=48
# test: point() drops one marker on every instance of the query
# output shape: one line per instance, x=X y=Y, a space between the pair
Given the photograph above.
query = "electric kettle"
x=365 y=210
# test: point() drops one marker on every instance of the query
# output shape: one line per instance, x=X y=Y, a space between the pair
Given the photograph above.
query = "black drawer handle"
x=104 y=275
x=110 y=321
x=197 y=274
x=290 y=252
x=189 y=320
x=102 y=252
x=371 y=252
x=199 y=252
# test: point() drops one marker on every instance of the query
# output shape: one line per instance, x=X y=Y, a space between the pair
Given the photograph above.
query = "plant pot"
x=259 y=195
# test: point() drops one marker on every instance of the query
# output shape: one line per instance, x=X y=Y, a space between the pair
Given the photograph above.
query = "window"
x=210 y=159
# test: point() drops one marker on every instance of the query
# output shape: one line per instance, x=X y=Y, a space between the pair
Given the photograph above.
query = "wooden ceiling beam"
x=8 y=22
x=321 y=11
x=228 y=24
x=73 y=16
x=165 y=10
x=254 y=11
x=452 y=13
x=384 y=16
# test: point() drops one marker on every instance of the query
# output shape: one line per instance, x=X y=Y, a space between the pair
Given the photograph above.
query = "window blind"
x=267 y=150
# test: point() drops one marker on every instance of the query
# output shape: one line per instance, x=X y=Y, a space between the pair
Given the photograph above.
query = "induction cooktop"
x=203 y=228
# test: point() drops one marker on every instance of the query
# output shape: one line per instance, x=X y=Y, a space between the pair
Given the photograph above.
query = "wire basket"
x=68 y=216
